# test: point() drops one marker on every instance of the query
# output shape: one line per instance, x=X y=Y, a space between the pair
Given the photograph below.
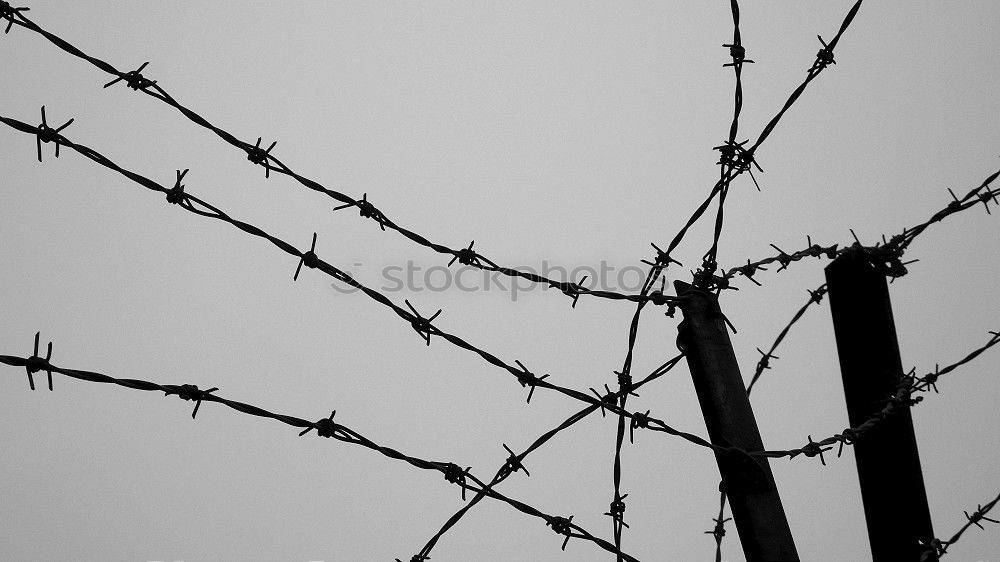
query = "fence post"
x=892 y=486
x=753 y=497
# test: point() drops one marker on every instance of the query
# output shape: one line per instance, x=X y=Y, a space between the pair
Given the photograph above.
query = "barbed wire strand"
x=735 y=158
x=258 y=155
x=730 y=150
x=936 y=548
x=887 y=255
x=422 y=325
x=325 y=427
x=909 y=384
x=815 y=297
x=718 y=532
x=514 y=462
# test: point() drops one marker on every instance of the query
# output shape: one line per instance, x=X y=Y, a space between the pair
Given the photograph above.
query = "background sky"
x=558 y=131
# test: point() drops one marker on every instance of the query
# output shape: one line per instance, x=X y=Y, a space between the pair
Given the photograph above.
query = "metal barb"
x=260 y=156
x=46 y=134
x=35 y=363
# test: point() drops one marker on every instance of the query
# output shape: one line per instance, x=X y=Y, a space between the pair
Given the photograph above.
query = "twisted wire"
x=324 y=427
x=935 y=548
x=886 y=256
x=422 y=325
x=515 y=460
x=258 y=155
x=735 y=157
x=908 y=385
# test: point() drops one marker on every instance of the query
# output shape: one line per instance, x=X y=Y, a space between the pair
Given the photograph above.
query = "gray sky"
x=559 y=133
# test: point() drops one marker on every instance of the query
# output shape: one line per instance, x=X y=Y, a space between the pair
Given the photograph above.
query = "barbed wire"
x=718 y=532
x=908 y=385
x=734 y=157
x=935 y=548
x=324 y=427
x=422 y=325
x=515 y=462
x=886 y=255
x=815 y=297
x=258 y=155
x=902 y=398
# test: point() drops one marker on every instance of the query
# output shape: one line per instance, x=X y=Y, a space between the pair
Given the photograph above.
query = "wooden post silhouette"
x=892 y=486
x=753 y=497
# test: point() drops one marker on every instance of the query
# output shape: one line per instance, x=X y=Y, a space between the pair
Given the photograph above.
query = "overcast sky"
x=557 y=133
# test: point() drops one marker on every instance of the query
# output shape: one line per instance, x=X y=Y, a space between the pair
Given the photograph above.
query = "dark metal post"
x=753 y=497
x=892 y=486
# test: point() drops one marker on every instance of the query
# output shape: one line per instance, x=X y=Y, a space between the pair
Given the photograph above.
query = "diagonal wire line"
x=903 y=398
x=936 y=547
x=736 y=159
x=326 y=427
x=890 y=254
x=815 y=297
x=506 y=470
x=718 y=532
x=887 y=254
x=420 y=324
x=258 y=155
x=824 y=58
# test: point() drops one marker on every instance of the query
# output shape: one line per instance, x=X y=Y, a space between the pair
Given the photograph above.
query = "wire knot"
x=562 y=526
x=608 y=400
x=735 y=157
x=986 y=197
x=8 y=12
x=175 y=194
x=824 y=57
x=466 y=256
x=422 y=325
x=325 y=427
x=454 y=474
x=719 y=531
x=662 y=260
x=625 y=382
x=190 y=392
x=36 y=363
x=46 y=134
x=260 y=156
x=639 y=421
x=134 y=79
x=977 y=516
x=617 y=510
x=308 y=259
x=527 y=378
x=933 y=549
x=749 y=270
x=811 y=450
x=765 y=360
x=368 y=211
x=849 y=436
x=738 y=53
x=574 y=290
x=513 y=464
x=817 y=295
x=930 y=380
